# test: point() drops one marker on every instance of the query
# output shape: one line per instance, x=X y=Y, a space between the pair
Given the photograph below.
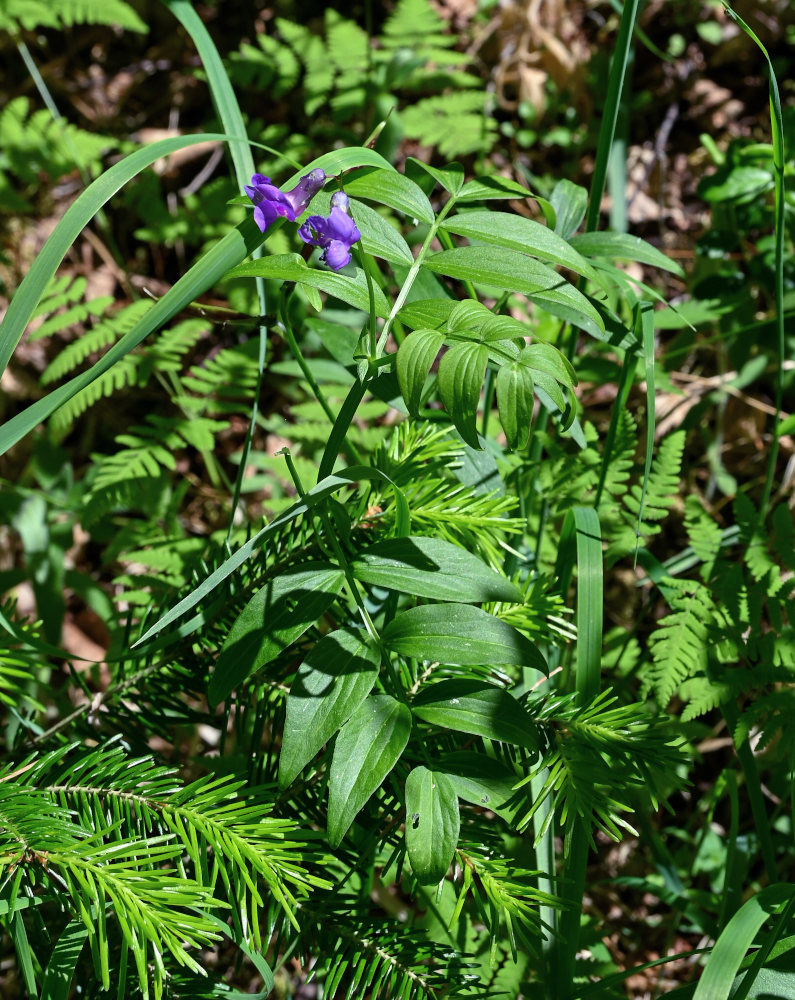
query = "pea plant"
x=421 y=729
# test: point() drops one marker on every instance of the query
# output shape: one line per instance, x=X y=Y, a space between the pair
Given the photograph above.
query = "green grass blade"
x=24 y=954
x=76 y=218
x=645 y=319
x=229 y=251
x=220 y=88
x=615 y=85
x=231 y=118
x=581 y=539
x=64 y=958
x=735 y=940
x=777 y=133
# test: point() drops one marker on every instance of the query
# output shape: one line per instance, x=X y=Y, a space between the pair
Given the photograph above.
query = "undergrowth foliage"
x=364 y=722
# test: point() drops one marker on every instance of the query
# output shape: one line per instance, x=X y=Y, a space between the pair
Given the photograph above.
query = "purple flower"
x=270 y=202
x=335 y=235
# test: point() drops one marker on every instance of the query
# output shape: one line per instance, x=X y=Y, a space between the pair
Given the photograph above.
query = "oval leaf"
x=502 y=268
x=518 y=233
x=482 y=781
x=388 y=187
x=368 y=747
x=432 y=567
x=569 y=201
x=331 y=683
x=350 y=288
x=515 y=402
x=472 y=706
x=274 y=617
x=622 y=246
x=462 y=634
x=432 y=824
x=461 y=373
x=414 y=359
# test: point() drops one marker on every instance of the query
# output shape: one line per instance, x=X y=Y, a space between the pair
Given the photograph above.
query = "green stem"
x=753 y=785
x=413 y=272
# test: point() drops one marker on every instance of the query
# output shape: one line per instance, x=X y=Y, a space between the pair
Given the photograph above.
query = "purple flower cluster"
x=335 y=234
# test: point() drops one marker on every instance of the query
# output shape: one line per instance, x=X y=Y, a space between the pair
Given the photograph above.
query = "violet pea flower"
x=270 y=202
x=335 y=234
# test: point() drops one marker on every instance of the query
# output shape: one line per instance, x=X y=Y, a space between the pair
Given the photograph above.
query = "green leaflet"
x=350 y=288
x=515 y=402
x=624 y=247
x=388 y=187
x=569 y=201
x=432 y=824
x=430 y=313
x=331 y=683
x=515 y=272
x=472 y=706
x=414 y=359
x=518 y=233
x=432 y=567
x=274 y=617
x=462 y=634
x=480 y=780
x=491 y=189
x=460 y=381
x=473 y=320
x=368 y=747
x=451 y=178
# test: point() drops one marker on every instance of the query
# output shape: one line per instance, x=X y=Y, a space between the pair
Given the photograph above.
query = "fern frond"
x=173 y=344
x=227 y=379
x=681 y=642
x=36 y=144
x=622 y=457
x=703 y=533
x=661 y=491
x=757 y=556
x=415 y=25
x=456 y=123
x=19 y=665
x=30 y=14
